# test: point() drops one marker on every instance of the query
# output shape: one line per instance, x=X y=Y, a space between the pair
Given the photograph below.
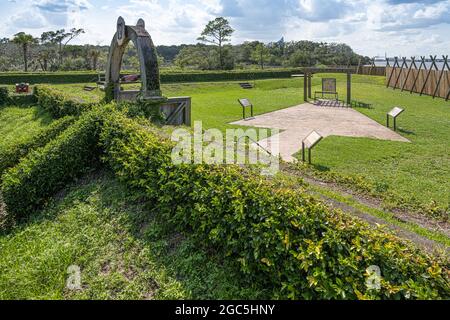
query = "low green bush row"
x=4 y=95
x=45 y=170
x=280 y=238
x=9 y=157
x=168 y=77
x=54 y=78
x=57 y=103
x=227 y=76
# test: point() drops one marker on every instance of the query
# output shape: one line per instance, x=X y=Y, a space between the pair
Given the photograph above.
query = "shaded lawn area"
x=18 y=124
x=123 y=252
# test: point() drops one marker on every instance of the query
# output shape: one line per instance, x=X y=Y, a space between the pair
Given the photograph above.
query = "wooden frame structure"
x=427 y=78
x=309 y=72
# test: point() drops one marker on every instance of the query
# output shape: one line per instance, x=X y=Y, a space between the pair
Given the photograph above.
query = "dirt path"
x=419 y=240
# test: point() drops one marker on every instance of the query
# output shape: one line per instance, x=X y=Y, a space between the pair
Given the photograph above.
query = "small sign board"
x=312 y=140
x=394 y=113
x=245 y=103
x=329 y=85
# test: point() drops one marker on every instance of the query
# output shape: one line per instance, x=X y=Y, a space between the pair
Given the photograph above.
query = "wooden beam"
x=441 y=76
x=359 y=66
x=418 y=73
x=349 y=89
x=174 y=114
x=400 y=73
x=413 y=63
x=371 y=66
x=309 y=86
x=392 y=71
x=433 y=63
x=305 y=87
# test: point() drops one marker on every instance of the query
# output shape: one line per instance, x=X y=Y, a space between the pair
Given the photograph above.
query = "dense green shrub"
x=283 y=239
x=44 y=171
x=227 y=75
x=59 y=104
x=9 y=157
x=51 y=77
x=4 y=95
x=166 y=77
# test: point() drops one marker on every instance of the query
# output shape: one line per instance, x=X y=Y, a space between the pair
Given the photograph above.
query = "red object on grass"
x=22 y=88
x=131 y=78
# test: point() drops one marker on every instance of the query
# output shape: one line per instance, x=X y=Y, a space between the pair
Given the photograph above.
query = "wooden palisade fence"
x=372 y=69
x=420 y=77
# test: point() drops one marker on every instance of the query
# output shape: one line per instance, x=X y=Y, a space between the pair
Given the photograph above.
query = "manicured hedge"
x=57 y=103
x=10 y=157
x=280 y=238
x=4 y=95
x=44 y=171
x=226 y=76
x=197 y=76
x=54 y=78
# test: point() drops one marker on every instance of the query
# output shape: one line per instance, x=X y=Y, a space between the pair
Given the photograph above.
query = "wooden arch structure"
x=148 y=60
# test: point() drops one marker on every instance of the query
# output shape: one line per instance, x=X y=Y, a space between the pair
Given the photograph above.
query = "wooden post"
x=442 y=74
x=349 y=89
x=392 y=71
x=303 y=152
x=372 y=65
x=433 y=64
x=309 y=85
x=422 y=63
x=188 y=120
x=305 y=86
x=413 y=63
x=400 y=73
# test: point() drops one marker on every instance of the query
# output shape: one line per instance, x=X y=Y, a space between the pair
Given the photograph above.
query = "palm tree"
x=24 y=40
x=94 y=54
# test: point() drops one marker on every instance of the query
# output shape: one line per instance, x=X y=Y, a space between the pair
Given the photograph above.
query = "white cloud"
x=400 y=27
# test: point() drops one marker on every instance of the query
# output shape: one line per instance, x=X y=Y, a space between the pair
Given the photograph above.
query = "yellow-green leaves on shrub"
x=44 y=171
x=9 y=157
x=282 y=239
x=57 y=103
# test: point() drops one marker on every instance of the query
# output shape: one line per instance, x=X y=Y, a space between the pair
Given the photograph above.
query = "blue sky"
x=371 y=27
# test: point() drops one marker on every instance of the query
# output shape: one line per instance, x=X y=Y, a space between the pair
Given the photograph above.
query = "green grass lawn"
x=123 y=252
x=17 y=124
x=419 y=171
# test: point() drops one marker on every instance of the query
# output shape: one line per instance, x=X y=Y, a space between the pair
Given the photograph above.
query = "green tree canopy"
x=217 y=32
x=24 y=41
